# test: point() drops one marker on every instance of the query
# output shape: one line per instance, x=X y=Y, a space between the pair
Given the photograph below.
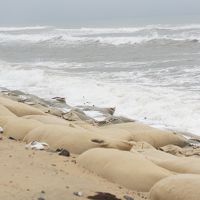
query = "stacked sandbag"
x=19 y=109
x=130 y=170
x=73 y=138
x=178 y=187
x=135 y=131
x=5 y=112
x=5 y=119
x=18 y=127
x=171 y=162
x=181 y=164
x=48 y=119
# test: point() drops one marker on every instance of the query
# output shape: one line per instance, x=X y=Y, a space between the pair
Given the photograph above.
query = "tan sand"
x=130 y=170
x=178 y=187
x=25 y=173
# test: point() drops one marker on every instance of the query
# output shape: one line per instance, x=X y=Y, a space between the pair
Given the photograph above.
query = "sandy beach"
x=112 y=158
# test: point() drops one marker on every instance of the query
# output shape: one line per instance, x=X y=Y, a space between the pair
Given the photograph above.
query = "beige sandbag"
x=5 y=112
x=181 y=165
x=178 y=187
x=140 y=132
x=154 y=155
x=73 y=138
x=130 y=170
x=5 y=119
x=48 y=119
x=19 y=109
x=171 y=162
x=18 y=127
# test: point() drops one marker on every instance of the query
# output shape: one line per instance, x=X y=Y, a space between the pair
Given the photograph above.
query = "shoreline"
x=116 y=155
x=103 y=115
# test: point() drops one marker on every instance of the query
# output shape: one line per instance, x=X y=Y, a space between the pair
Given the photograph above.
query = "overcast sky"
x=91 y=12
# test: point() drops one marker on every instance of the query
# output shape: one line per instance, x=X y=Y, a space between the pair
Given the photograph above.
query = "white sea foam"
x=6 y=29
x=158 y=83
x=153 y=104
x=109 y=36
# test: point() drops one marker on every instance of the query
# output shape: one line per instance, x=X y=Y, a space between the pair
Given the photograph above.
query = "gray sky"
x=91 y=12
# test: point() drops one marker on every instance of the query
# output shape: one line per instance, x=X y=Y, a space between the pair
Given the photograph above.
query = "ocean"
x=150 y=73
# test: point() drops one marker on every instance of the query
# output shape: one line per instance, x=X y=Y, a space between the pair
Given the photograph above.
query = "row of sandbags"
x=22 y=121
x=135 y=168
x=138 y=169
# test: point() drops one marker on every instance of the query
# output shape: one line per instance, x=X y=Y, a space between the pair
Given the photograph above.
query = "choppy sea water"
x=150 y=73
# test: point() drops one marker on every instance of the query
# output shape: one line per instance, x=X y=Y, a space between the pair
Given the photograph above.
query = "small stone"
x=43 y=192
x=64 y=152
x=128 y=197
x=74 y=161
x=79 y=194
x=71 y=125
x=41 y=198
x=54 y=165
x=1 y=130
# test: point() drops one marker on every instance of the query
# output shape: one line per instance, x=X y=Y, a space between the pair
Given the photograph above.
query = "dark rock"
x=98 y=141
x=103 y=196
x=11 y=138
x=41 y=198
x=64 y=152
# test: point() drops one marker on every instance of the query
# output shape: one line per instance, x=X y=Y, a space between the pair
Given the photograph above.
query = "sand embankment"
x=127 y=153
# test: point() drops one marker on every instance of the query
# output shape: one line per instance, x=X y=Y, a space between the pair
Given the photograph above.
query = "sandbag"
x=135 y=131
x=5 y=119
x=5 y=112
x=130 y=170
x=19 y=109
x=178 y=187
x=18 y=127
x=48 y=119
x=73 y=138
x=172 y=162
